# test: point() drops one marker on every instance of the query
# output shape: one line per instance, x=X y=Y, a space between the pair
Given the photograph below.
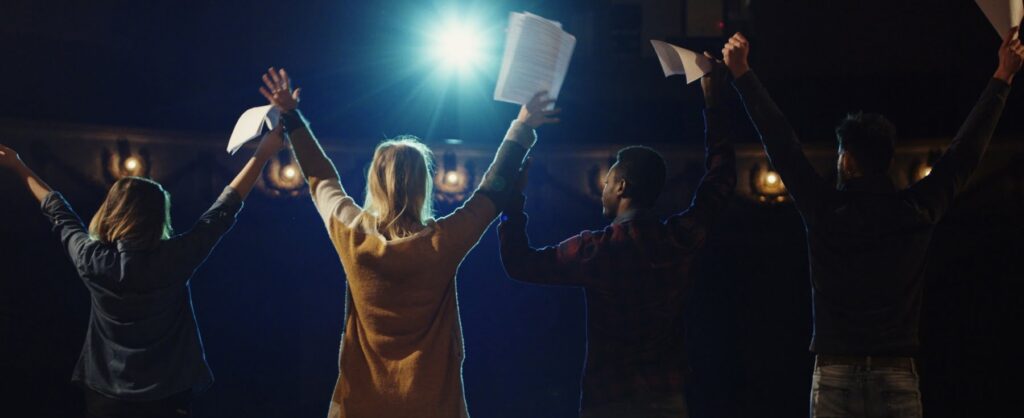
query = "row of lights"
x=452 y=180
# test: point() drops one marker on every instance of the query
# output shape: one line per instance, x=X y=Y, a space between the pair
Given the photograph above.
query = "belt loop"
x=869 y=363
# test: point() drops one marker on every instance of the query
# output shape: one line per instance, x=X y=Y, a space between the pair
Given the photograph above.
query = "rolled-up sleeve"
x=85 y=253
x=211 y=226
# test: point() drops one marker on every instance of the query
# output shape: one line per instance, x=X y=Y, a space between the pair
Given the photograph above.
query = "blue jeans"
x=861 y=391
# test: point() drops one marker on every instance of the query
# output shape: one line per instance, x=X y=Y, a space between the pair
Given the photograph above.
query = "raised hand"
x=272 y=143
x=278 y=90
x=534 y=115
x=1011 y=53
x=735 y=55
x=714 y=83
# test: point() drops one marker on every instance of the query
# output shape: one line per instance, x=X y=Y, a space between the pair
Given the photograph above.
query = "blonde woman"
x=142 y=356
x=401 y=352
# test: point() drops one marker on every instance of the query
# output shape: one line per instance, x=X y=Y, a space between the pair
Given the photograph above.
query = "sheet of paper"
x=681 y=61
x=1002 y=14
x=250 y=125
x=536 y=58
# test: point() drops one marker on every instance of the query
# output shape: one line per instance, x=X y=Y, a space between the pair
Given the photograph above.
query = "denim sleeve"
x=198 y=242
x=87 y=254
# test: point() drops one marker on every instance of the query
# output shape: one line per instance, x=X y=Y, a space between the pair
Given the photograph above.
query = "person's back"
x=142 y=310
x=867 y=241
x=867 y=247
x=401 y=352
x=142 y=354
x=635 y=297
x=635 y=272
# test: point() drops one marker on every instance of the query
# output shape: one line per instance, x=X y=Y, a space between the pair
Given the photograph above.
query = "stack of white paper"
x=1002 y=14
x=679 y=61
x=537 y=53
x=250 y=125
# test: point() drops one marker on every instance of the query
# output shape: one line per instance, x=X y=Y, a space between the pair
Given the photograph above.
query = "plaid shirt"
x=635 y=274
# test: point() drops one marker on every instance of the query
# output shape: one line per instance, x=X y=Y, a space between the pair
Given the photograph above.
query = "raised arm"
x=784 y=149
x=197 y=243
x=74 y=236
x=272 y=143
x=10 y=160
x=563 y=264
x=468 y=222
x=934 y=193
x=328 y=194
x=719 y=182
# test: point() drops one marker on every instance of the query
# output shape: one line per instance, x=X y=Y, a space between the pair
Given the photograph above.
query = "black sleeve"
x=934 y=193
x=785 y=152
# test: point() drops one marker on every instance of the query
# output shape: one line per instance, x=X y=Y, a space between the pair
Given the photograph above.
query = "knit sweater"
x=401 y=351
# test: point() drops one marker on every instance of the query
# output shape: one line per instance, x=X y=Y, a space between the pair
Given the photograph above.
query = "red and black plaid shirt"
x=635 y=273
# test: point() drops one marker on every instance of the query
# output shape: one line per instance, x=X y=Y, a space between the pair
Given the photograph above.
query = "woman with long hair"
x=401 y=351
x=143 y=356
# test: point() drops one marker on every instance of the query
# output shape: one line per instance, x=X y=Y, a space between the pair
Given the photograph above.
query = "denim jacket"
x=142 y=342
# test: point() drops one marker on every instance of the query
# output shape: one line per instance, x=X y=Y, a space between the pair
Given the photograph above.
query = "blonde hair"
x=135 y=209
x=399 y=187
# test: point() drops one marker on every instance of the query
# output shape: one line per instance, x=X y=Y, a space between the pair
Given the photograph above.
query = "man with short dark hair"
x=867 y=240
x=635 y=272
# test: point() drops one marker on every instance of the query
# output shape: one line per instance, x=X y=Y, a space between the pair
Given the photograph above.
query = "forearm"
x=719 y=182
x=522 y=262
x=36 y=185
x=976 y=132
x=785 y=152
x=311 y=157
x=778 y=137
x=500 y=177
x=246 y=179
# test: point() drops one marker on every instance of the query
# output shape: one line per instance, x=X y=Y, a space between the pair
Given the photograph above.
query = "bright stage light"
x=131 y=163
x=289 y=172
x=458 y=46
x=452 y=177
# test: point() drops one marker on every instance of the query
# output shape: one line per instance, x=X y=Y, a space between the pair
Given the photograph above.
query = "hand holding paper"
x=681 y=61
x=250 y=125
x=534 y=113
x=1002 y=14
x=1011 y=53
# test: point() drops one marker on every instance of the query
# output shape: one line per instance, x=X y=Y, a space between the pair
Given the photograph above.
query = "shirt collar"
x=631 y=215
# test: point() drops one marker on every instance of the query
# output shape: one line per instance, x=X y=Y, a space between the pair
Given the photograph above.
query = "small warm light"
x=289 y=172
x=132 y=164
x=923 y=172
x=770 y=183
x=451 y=181
x=451 y=177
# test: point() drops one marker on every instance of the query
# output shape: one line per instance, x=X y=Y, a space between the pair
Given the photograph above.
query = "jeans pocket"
x=902 y=403
x=829 y=402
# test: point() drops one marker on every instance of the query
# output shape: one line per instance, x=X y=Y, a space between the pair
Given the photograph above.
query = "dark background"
x=270 y=300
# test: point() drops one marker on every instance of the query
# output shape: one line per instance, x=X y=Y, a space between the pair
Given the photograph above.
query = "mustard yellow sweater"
x=401 y=352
